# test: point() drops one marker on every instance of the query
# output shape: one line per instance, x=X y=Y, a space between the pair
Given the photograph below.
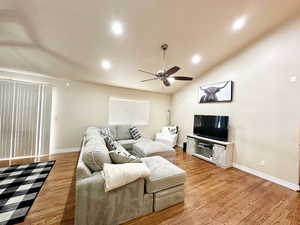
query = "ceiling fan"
x=165 y=74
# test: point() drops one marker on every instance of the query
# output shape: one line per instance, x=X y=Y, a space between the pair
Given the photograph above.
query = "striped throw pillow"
x=111 y=144
x=123 y=156
x=134 y=132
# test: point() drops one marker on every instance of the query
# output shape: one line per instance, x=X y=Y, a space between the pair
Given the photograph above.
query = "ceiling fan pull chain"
x=164 y=60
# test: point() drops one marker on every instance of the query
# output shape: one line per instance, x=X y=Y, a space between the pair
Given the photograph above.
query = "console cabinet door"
x=191 y=145
x=219 y=155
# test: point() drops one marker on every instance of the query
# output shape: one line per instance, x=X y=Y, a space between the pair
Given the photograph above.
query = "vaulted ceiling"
x=70 y=38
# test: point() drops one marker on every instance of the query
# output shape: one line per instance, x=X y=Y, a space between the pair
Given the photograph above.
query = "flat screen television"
x=214 y=127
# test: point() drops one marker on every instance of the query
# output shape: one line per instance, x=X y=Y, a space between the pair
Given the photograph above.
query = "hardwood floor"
x=214 y=196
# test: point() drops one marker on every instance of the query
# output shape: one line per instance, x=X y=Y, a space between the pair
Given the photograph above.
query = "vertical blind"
x=25 y=110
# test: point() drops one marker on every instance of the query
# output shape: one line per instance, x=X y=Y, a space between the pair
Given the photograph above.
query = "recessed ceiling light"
x=117 y=28
x=239 y=23
x=106 y=64
x=196 y=59
x=171 y=80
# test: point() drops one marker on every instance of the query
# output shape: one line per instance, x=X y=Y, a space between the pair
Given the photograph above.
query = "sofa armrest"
x=172 y=136
x=93 y=183
x=159 y=135
x=82 y=171
x=95 y=206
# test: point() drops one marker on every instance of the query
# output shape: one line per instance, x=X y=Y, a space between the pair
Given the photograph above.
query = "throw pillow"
x=94 y=157
x=173 y=130
x=111 y=144
x=122 y=156
x=105 y=131
x=118 y=175
x=135 y=133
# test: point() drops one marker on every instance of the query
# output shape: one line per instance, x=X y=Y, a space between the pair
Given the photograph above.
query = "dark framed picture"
x=216 y=92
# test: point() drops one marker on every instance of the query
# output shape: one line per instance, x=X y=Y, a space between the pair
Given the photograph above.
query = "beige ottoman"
x=166 y=182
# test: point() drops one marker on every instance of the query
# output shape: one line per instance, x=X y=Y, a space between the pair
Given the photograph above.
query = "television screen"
x=214 y=127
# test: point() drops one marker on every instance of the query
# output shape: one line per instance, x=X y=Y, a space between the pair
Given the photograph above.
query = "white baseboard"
x=268 y=177
x=65 y=150
x=22 y=157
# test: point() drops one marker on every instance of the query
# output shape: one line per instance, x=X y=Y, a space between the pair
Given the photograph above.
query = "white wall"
x=84 y=104
x=264 y=114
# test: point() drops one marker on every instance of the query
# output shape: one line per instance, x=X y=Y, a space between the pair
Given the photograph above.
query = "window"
x=126 y=111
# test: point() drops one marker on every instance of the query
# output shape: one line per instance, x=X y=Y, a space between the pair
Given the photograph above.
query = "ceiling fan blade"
x=149 y=79
x=174 y=69
x=147 y=72
x=166 y=83
x=182 y=78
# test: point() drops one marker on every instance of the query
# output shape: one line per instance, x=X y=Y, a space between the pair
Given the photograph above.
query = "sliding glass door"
x=25 y=110
x=6 y=121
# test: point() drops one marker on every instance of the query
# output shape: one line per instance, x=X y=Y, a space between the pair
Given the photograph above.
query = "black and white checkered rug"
x=19 y=186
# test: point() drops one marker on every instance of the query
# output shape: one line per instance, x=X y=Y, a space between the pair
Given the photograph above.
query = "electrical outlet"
x=262 y=163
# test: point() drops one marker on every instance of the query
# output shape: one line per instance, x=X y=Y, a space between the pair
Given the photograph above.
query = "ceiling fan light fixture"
x=171 y=80
x=159 y=71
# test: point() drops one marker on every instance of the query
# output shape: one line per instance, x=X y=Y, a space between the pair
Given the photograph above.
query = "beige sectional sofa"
x=163 y=188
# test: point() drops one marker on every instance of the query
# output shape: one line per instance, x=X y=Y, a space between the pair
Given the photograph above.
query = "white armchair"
x=168 y=136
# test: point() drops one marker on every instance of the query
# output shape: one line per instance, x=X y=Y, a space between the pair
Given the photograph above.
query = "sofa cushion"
x=122 y=156
x=127 y=144
x=105 y=131
x=94 y=157
x=135 y=133
x=147 y=147
x=163 y=174
x=92 y=130
x=113 y=130
x=94 y=140
x=123 y=132
x=111 y=144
